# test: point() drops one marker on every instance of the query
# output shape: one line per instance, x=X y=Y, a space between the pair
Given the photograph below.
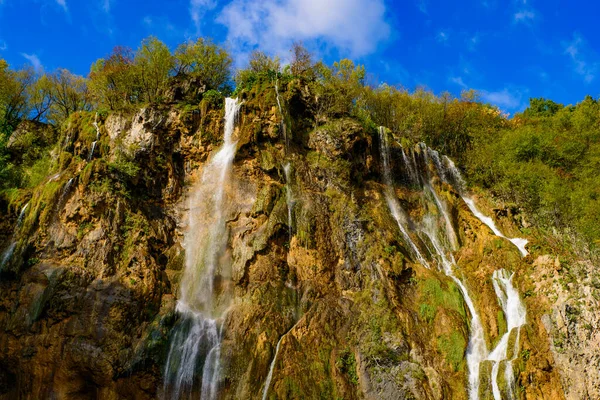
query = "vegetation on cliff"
x=100 y=164
x=542 y=160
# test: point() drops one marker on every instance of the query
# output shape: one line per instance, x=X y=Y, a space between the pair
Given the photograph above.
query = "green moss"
x=346 y=363
x=453 y=347
x=433 y=296
x=427 y=312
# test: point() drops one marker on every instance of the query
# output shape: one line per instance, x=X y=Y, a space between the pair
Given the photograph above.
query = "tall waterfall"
x=477 y=349
x=193 y=363
x=438 y=231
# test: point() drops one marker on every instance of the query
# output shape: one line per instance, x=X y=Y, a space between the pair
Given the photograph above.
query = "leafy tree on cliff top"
x=153 y=63
x=206 y=61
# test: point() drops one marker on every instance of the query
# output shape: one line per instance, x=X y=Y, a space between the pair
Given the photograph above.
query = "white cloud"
x=35 y=61
x=422 y=5
x=577 y=51
x=197 y=10
x=3 y=45
x=106 y=5
x=353 y=26
x=504 y=98
x=63 y=4
x=524 y=16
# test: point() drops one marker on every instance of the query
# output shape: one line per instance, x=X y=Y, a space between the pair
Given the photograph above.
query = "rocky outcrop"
x=87 y=302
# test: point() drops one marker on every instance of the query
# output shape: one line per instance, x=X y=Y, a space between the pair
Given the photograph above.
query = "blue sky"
x=507 y=50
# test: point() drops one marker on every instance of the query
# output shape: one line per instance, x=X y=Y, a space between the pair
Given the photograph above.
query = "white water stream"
x=516 y=317
x=520 y=243
x=95 y=124
x=193 y=363
x=508 y=296
x=8 y=253
x=397 y=212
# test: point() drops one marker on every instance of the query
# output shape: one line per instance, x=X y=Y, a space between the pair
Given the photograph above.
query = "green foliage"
x=206 y=61
x=453 y=347
x=114 y=82
x=434 y=296
x=213 y=98
x=540 y=107
x=346 y=363
x=153 y=64
x=546 y=162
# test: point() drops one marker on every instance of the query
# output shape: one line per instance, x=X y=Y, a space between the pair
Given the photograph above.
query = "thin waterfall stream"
x=9 y=251
x=193 y=363
x=397 y=212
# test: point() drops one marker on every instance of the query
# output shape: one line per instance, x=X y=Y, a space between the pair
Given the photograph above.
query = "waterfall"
x=410 y=168
x=283 y=127
x=477 y=349
x=92 y=151
x=22 y=215
x=271 y=368
x=193 y=363
x=520 y=243
x=95 y=123
x=443 y=209
x=289 y=196
x=397 y=212
x=516 y=317
x=429 y=227
x=6 y=256
x=8 y=253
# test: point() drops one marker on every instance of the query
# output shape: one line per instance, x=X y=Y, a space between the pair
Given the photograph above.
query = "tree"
x=540 y=107
x=114 y=82
x=67 y=93
x=204 y=60
x=301 y=64
x=260 y=62
x=153 y=64
x=14 y=96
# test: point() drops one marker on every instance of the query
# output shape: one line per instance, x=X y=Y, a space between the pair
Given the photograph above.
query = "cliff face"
x=329 y=299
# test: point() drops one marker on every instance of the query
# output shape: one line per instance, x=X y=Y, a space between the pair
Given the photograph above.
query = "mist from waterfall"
x=193 y=363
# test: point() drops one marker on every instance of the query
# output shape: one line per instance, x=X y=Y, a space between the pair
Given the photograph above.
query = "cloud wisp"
x=580 y=55
x=63 y=5
x=35 y=62
x=524 y=16
x=355 y=27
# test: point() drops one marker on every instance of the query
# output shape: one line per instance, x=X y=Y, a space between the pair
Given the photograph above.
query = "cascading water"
x=95 y=123
x=393 y=204
x=412 y=173
x=430 y=230
x=516 y=317
x=520 y=243
x=193 y=363
x=272 y=366
x=477 y=349
x=283 y=127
